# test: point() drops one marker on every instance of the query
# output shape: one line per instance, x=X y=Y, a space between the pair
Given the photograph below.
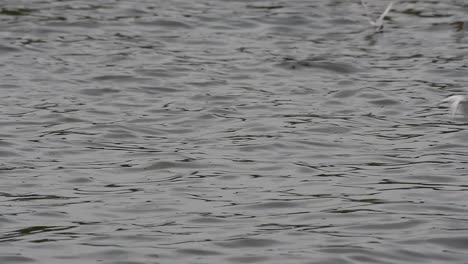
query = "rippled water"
x=231 y=132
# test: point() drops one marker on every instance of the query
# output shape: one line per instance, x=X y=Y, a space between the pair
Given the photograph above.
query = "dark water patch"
x=248 y=259
x=52 y=214
x=15 y=11
x=58 y=22
x=162 y=165
x=207 y=220
x=32 y=230
x=9 y=86
x=265 y=6
x=16 y=259
x=105 y=190
x=432 y=178
x=248 y=243
x=337 y=67
x=455 y=242
x=345 y=93
x=158 y=90
x=119 y=134
x=198 y=252
x=385 y=102
x=71 y=119
x=4 y=153
x=274 y=205
x=403 y=224
x=29 y=197
x=363 y=254
x=4 y=220
x=169 y=24
x=117 y=78
x=332 y=130
x=8 y=49
x=233 y=24
x=162 y=73
x=214 y=83
x=125 y=262
x=99 y=92
x=81 y=180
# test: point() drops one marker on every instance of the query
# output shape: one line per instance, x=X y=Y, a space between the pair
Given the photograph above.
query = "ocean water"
x=231 y=132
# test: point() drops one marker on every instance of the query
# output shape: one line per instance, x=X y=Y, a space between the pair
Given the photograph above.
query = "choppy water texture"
x=231 y=132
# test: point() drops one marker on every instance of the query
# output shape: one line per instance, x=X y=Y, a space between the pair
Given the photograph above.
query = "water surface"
x=231 y=132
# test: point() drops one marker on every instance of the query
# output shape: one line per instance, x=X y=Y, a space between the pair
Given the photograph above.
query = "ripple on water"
x=235 y=131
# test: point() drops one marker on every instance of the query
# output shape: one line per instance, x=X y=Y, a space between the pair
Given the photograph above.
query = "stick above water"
x=455 y=101
x=378 y=24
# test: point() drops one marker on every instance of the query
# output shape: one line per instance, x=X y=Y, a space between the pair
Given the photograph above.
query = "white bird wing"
x=368 y=14
x=379 y=21
x=454 y=101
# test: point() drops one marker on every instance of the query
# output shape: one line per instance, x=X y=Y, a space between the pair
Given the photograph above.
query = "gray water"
x=231 y=132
